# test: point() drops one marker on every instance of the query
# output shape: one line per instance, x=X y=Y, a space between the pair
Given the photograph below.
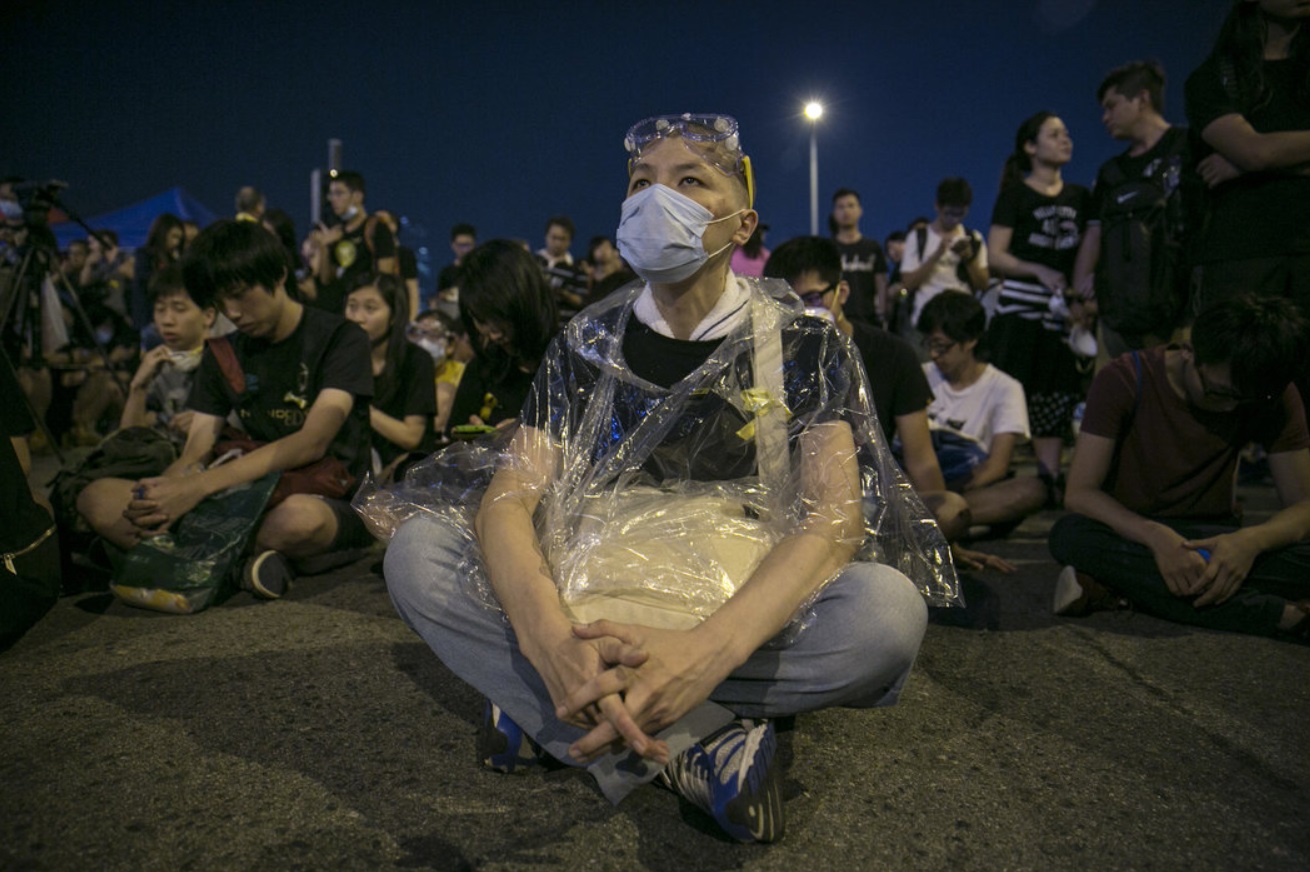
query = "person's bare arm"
x=997 y=464
x=134 y=407
x=407 y=433
x=1093 y=455
x=921 y=466
x=1084 y=267
x=162 y=501
x=976 y=267
x=1234 y=137
x=524 y=587
x=917 y=276
x=1232 y=554
x=1006 y=264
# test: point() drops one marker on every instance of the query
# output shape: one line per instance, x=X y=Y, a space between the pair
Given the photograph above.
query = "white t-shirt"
x=995 y=403
x=943 y=276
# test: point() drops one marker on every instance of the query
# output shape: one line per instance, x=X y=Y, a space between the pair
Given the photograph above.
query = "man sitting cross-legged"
x=308 y=382
x=1153 y=470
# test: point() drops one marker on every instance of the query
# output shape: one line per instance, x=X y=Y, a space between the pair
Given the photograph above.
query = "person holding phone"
x=510 y=314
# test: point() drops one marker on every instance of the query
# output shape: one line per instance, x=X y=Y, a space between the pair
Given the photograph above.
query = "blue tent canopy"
x=132 y=223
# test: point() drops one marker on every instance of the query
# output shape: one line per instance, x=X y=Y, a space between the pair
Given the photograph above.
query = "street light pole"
x=813 y=110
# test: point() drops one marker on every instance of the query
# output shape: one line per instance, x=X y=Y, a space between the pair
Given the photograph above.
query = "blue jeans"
x=865 y=631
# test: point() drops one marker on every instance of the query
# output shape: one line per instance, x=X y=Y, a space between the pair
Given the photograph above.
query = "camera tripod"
x=26 y=323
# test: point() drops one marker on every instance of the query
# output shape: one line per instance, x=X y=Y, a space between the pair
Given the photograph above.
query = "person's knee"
x=420 y=556
x=951 y=510
x=1028 y=495
x=101 y=502
x=1067 y=535
x=299 y=526
x=885 y=619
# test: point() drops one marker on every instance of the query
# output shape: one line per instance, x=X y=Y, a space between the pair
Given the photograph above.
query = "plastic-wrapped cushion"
x=674 y=495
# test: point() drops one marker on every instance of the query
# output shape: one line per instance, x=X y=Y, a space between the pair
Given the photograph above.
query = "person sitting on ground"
x=403 y=375
x=94 y=366
x=510 y=316
x=307 y=385
x=1151 y=483
x=670 y=392
x=106 y=272
x=812 y=266
x=978 y=415
x=445 y=341
x=157 y=395
x=609 y=272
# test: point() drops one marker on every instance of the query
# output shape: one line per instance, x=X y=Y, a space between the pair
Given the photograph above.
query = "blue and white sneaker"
x=502 y=744
x=731 y=777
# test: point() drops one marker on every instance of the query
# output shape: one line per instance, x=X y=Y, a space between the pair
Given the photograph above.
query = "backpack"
x=1141 y=275
x=131 y=453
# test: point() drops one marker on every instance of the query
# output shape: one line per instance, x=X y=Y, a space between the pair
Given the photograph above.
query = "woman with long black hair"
x=404 y=400
x=164 y=244
x=510 y=314
x=1037 y=224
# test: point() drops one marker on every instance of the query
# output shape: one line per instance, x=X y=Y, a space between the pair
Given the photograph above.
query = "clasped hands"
x=625 y=682
x=1211 y=580
x=157 y=503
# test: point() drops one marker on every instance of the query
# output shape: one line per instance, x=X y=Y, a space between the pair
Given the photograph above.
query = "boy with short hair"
x=978 y=415
x=307 y=381
x=158 y=392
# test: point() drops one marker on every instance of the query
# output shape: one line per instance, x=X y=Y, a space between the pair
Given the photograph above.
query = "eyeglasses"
x=937 y=348
x=814 y=299
x=1226 y=393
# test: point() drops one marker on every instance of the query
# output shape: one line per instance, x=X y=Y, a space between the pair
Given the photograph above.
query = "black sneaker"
x=731 y=777
x=267 y=575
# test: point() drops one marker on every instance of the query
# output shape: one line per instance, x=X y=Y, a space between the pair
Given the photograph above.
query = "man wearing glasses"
x=944 y=256
x=1153 y=471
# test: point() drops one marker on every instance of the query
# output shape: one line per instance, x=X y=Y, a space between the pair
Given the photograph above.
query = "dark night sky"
x=501 y=112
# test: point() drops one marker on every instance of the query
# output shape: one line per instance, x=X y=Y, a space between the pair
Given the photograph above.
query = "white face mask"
x=661 y=234
x=436 y=348
x=185 y=361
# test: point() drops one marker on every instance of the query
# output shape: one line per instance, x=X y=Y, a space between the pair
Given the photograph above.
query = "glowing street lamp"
x=813 y=111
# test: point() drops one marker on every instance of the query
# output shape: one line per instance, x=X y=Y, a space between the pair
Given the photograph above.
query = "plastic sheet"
x=676 y=494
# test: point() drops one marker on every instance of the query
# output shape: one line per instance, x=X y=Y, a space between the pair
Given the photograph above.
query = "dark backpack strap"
x=226 y=356
x=921 y=236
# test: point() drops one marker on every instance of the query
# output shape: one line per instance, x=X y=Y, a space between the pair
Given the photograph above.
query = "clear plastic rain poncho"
x=671 y=497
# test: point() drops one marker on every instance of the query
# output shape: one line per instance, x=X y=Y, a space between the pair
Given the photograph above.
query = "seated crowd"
x=972 y=358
